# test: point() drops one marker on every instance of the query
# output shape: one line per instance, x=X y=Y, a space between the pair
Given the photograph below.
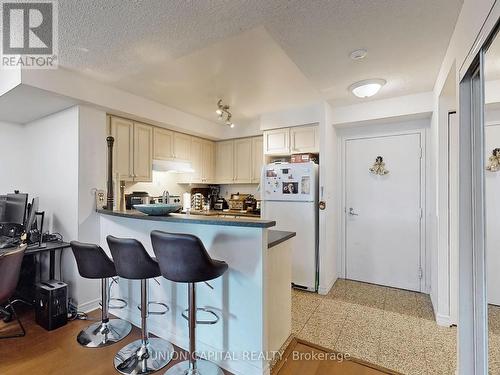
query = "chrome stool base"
x=202 y=368
x=102 y=334
x=131 y=360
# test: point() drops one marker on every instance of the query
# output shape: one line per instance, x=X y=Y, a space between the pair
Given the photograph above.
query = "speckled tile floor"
x=389 y=327
x=494 y=339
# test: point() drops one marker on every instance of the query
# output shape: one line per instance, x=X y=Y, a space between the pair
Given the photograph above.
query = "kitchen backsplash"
x=161 y=181
x=168 y=181
x=227 y=190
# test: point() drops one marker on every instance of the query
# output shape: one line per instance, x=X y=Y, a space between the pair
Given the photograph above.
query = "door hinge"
x=420 y=273
x=421 y=213
x=421 y=153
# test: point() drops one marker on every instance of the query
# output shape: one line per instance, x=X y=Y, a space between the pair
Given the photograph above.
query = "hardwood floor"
x=57 y=353
x=303 y=358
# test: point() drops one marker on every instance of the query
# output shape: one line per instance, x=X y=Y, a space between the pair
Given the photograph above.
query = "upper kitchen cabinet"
x=123 y=149
x=202 y=160
x=277 y=142
x=304 y=139
x=182 y=147
x=163 y=144
x=224 y=162
x=196 y=159
x=143 y=152
x=133 y=150
x=293 y=140
x=208 y=161
x=257 y=158
x=243 y=160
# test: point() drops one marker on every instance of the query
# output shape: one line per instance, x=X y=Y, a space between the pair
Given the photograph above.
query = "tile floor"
x=494 y=339
x=389 y=327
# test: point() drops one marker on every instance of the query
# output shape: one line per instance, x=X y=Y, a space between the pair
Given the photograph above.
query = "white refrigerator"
x=289 y=193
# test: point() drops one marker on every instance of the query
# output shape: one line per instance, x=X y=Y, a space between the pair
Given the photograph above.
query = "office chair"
x=10 y=269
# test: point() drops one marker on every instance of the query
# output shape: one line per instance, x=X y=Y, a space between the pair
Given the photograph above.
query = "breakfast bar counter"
x=252 y=299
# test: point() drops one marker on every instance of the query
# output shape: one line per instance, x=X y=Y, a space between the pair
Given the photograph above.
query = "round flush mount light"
x=367 y=88
x=358 y=54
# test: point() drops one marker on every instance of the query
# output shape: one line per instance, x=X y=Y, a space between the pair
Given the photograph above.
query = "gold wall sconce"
x=378 y=167
x=494 y=161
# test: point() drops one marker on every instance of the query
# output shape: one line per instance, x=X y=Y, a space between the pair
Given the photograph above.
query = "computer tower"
x=51 y=309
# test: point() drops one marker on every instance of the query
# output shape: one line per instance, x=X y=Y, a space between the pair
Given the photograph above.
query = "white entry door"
x=383 y=212
x=492 y=204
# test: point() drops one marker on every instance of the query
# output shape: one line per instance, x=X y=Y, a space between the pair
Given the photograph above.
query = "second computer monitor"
x=15 y=209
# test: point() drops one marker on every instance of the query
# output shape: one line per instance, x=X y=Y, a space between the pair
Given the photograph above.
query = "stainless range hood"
x=172 y=166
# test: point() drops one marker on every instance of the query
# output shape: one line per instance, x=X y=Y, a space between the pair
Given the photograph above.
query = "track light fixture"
x=224 y=114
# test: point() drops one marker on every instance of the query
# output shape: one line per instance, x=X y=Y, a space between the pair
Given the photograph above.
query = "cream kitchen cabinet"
x=196 y=159
x=163 y=144
x=143 y=152
x=243 y=160
x=277 y=142
x=224 y=162
x=292 y=140
x=202 y=159
x=257 y=158
x=182 y=146
x=304 y=139
x=133 y=150
x=208 y=161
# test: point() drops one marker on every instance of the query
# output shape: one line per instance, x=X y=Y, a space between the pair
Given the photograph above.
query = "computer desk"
x=52 y=247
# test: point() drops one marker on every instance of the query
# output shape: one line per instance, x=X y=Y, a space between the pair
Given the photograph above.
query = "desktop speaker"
x=51 y=304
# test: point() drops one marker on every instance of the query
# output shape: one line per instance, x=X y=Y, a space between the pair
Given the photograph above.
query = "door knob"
x=351 y=212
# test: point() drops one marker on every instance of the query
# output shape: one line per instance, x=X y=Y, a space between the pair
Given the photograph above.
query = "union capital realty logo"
x=29 y=34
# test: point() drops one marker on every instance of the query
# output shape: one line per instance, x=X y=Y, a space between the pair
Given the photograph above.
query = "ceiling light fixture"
x=367 y=88
x=358 y=54
x=224 y=114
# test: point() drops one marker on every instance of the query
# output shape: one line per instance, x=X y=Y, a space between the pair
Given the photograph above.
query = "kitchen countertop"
x=275 y=237
x=194 y=219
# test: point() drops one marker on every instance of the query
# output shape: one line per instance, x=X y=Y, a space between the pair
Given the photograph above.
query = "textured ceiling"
x=258 y=55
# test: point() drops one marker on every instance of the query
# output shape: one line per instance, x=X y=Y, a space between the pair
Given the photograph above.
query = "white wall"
x=13 y=158
x=9 y=78
x=399 y=107
x=52 y=144
x=161 y=181
x=58 y=158
x=329 y=229
x=311 y=114
x=469 y=23
x=115 y=101
x=92 y=162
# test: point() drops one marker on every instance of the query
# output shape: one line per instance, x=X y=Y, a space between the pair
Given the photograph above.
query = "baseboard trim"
x=443 y=320
x=89 y=306
x=324 y=291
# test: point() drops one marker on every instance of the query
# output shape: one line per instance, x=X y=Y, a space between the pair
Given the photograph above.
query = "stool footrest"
x=204 y=309
x=162 y=312
x=118 y=307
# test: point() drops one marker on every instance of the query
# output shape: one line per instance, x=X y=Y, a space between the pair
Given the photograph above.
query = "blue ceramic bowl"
x=157 y=209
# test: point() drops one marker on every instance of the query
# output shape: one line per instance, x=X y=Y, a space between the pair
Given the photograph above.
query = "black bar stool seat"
x=93 y=263
x=145 y=355
x=184 y=259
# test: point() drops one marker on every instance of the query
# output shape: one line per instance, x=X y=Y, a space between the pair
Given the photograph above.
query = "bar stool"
x=184 y=259
x=93 y=263
x=145 y=355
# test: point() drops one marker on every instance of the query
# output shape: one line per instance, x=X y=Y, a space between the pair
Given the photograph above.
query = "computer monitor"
x=32 y=214
x=3 y=204
x=15 y=208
